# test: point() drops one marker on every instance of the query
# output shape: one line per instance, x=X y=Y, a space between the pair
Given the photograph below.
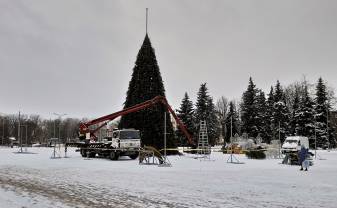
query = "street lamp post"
x=22 y=125
x=54 y=129
x=19 y=137
x=60 y=117
x=279 y=138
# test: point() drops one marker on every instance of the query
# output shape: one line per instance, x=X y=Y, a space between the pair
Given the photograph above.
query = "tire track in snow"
x=68 y=192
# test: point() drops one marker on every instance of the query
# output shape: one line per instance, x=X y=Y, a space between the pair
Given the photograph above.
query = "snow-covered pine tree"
x=270 y=129
x=213 y=127
x=232 y=121
x=186 y=115
x=280 y=113
x=205 y=110
x=146 y=83
x=201 y=104
x=249 y=110
x=305 y=116
x=322 y=109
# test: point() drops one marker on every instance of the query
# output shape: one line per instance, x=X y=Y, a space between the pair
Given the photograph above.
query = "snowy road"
x=34 y=180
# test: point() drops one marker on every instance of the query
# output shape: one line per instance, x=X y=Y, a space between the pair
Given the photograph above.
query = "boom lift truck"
x=124 y=142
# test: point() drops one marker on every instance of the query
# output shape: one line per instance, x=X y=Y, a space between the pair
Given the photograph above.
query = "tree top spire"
x=146 y=20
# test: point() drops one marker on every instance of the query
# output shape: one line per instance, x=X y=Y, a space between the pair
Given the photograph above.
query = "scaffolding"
x=203 y=149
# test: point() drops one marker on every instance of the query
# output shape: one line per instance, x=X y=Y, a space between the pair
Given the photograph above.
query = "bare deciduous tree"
x=221 y=110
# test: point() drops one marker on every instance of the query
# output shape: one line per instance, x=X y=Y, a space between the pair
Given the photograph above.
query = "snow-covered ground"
x=35 y=180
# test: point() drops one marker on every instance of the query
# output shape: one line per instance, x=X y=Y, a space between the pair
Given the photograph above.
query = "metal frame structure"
x=203 y=145
x=56 y=150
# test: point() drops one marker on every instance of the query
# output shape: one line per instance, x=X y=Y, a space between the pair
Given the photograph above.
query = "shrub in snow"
x=256 y=154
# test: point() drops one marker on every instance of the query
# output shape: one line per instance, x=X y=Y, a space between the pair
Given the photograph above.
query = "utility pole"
x=315 y=141
x=19 y=137
x=231 y=126
x=327 y=127
x=225 y=134
x=231 y=138
x=59 y=130
x=164 y=133
x=3 y=131
x=54 y=129
x=230 y=159
x=166 y=162
x=26 y=136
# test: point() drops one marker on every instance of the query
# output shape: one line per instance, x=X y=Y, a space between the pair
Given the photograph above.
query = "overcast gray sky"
x=76 y=57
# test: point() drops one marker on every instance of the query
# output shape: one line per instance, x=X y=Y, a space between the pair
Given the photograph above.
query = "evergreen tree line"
x=285 y=111
x=283 y=114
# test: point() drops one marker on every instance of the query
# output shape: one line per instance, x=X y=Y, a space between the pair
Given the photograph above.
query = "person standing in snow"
x=302 y=158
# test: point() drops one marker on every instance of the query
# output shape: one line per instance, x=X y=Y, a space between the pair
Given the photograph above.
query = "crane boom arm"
x=84 y=127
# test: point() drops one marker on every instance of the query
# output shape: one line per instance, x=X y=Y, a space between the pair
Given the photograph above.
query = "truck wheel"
x=83 y=153
x=134 y=156
x=114 y=155
x=92 y=154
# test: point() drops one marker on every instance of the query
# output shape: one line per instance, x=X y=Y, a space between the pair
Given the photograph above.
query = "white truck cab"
x=124 y=139
x=294 y=143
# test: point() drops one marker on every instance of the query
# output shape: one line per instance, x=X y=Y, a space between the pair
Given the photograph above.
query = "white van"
x=294 y=143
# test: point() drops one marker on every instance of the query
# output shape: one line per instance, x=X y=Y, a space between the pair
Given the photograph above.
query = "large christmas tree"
x=146 y=83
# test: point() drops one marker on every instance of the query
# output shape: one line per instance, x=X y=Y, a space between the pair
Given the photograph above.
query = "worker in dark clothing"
x=302 y=158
